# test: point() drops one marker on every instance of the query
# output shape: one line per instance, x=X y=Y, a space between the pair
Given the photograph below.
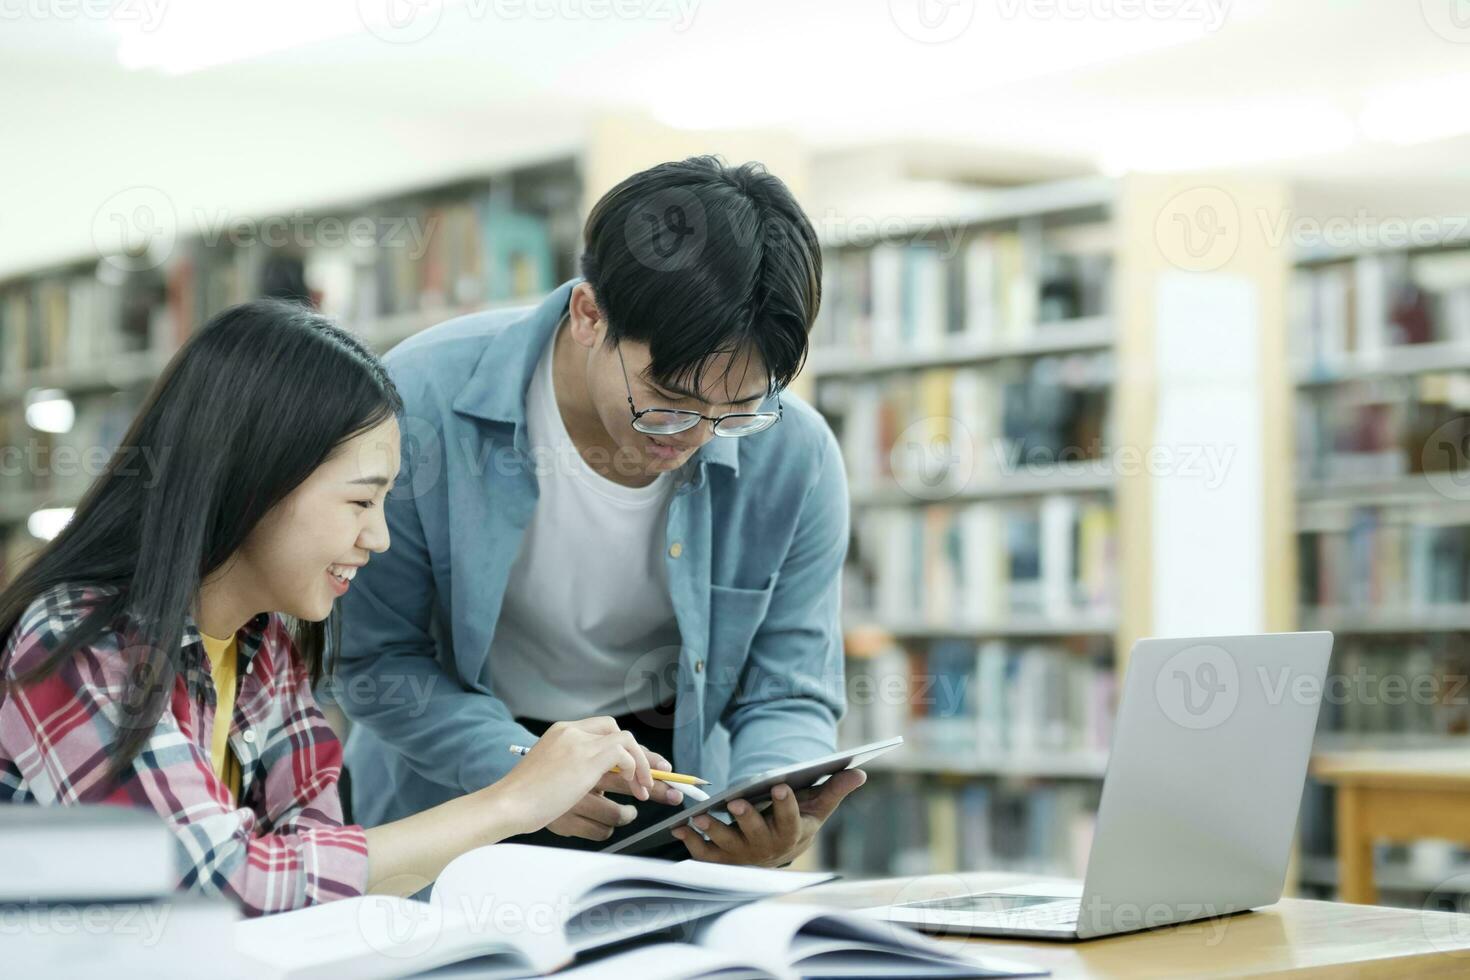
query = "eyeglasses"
x=668 y=421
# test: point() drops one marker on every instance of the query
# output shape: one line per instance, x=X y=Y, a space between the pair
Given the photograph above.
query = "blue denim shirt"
x=761 y=526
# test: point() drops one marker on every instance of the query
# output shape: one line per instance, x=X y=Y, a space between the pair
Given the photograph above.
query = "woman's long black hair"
x=242 y=415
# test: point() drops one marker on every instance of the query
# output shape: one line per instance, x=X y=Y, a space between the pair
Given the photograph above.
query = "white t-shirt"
x=587 y=622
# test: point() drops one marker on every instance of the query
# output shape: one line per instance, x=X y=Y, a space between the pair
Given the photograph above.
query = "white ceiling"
x=275 y=103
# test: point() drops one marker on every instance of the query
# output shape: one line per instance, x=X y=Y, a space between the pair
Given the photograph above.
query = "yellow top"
x=224 y=662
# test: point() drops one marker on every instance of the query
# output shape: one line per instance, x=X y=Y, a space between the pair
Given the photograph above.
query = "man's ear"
x=586 y=324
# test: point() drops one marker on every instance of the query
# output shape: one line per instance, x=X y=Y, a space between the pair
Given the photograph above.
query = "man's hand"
x=776 y=837
x=595 y=817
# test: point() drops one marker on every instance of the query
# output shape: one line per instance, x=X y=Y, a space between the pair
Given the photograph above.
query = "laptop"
x=1199 y=803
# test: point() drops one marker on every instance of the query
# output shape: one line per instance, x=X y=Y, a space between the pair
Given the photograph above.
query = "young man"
x=609 y=506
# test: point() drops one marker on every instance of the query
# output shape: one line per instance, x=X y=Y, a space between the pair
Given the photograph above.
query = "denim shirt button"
x=675 y=550
x=699 y=666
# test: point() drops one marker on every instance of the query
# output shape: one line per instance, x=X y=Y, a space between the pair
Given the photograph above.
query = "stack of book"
x=93 y=888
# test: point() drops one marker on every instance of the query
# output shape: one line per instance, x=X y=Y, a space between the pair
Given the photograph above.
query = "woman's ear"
x=586 y=325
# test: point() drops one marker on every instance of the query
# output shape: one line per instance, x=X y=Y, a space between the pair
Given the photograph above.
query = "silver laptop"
x=1199 y=804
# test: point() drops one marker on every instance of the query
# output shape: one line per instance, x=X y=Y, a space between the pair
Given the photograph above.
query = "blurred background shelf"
x=1074 y=336
x=1428 y=619
x=1103 y=626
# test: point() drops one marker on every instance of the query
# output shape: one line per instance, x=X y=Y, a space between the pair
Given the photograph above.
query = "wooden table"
x=1295 y=938
x=1395 y=795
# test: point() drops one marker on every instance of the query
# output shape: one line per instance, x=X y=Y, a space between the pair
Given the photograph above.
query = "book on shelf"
x=980 y=565
x=1383 y=428
x=940 y=432
x=1392 y=689
x=914 y=828
x=995 y=291
x=1365 y=306
x=81 y=317
x=969 y=705
x=1372 y=561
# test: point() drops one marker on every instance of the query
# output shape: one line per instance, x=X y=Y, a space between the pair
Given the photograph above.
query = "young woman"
x=161 y=651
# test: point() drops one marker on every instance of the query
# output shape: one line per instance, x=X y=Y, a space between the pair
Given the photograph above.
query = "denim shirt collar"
x=512 y=355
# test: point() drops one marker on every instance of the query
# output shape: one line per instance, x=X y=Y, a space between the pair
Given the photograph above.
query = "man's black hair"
x=697 y=258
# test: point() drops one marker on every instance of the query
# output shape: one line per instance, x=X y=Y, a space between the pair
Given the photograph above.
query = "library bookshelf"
x=985 y=393
x=94 y=334
x=966 y=365
x=1381 y=354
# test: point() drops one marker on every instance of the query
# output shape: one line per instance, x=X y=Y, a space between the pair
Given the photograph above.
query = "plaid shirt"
x=281 y=846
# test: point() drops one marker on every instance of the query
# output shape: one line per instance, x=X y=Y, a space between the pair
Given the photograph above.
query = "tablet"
x=756 y=790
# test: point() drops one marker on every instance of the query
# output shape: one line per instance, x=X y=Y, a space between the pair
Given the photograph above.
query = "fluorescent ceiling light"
x=49 y=410
x=47 y=523
x=1235 y=136
x=181 y=36
x=1419 y=112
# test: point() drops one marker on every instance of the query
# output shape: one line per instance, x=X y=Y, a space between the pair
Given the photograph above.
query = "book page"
x=592 y=899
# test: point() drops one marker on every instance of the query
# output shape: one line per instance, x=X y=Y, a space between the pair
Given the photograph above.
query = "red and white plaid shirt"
x=280 y=846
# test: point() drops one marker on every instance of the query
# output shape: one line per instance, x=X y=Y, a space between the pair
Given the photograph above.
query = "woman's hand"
x=560 y=780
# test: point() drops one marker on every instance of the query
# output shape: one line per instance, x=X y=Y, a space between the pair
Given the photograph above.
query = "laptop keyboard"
x=1014 y=911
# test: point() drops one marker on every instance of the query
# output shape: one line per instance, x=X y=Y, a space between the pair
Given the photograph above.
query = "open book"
x=787 y=941
x=515 y=910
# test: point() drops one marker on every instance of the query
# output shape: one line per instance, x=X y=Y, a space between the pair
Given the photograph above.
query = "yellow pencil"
x=659 y=774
